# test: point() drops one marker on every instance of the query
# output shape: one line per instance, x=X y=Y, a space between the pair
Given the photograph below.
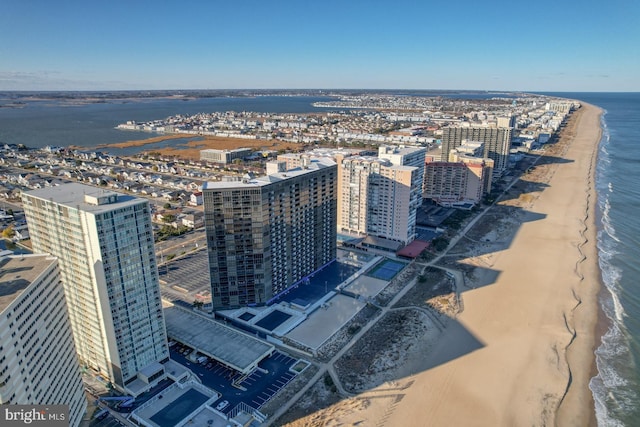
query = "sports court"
x=386 y=269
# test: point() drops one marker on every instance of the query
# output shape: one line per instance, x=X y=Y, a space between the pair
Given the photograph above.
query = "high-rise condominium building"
x=104 y=243
x=413 y=157
x=266 y=234
x=463 y=180
x=497 y=142
x=38 y=362
x=377 y=198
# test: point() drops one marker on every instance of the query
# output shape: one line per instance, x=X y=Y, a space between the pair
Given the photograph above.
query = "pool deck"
x=324 y=322
x=366 y=286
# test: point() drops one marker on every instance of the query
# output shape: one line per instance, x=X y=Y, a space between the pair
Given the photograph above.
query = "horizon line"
x=310 y=89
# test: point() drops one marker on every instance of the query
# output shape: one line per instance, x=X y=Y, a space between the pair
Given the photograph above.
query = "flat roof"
x=382 y=242
x=324 y=322
x=17 y=272
x=366 y=286
x=233 y=348
x=73 y=195
x=314 y=165
x=223 y=150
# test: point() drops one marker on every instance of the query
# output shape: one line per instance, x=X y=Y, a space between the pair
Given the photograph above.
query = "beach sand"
x=521 y=351
x=535 y=324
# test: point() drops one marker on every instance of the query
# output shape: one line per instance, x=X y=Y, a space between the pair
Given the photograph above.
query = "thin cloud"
x=52 y=80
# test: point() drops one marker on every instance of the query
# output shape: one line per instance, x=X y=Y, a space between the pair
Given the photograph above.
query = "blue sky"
x=547 y=45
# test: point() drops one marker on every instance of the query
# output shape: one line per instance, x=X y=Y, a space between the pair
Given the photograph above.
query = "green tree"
x=439 y=244
x=168 y=218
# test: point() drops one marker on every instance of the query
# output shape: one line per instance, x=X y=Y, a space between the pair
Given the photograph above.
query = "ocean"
x=616 y=388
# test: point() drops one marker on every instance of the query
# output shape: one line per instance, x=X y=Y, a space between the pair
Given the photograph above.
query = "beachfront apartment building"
x=105 y=246
x=497 y=142
x=377 y=198
x=412 y=157
x=378 y=192
x=461 y=182
x=38 y=362
x=267 y=234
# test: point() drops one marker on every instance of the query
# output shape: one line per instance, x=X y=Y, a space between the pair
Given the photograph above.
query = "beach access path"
x=522 y=351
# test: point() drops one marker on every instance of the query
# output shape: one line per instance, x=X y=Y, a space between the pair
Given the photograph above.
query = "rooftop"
x=85 y=197
x=233 y=348
x=314 y=165
x=18 y=272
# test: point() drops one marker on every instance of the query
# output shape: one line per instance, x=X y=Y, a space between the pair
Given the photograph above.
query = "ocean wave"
x=609 y=385
x=607 y=224
x=613 y=394
x=608 y=248
x=601 y=397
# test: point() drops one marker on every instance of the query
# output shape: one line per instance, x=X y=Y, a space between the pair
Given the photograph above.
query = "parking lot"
x=183 y=278
x=255 y=390
x=178 y=244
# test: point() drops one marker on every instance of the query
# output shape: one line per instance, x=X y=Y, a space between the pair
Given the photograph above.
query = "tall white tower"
x=38 y=362
x=104 y=242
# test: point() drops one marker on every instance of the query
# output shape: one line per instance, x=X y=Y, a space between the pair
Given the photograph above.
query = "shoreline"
x=522 y=349
x=588 y=317
x=534 y=327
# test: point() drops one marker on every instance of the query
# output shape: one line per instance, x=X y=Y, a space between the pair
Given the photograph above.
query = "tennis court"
x=177 y=410
x=386 y=269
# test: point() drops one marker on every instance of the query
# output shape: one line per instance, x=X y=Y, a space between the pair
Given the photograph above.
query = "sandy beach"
x=521 y=350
